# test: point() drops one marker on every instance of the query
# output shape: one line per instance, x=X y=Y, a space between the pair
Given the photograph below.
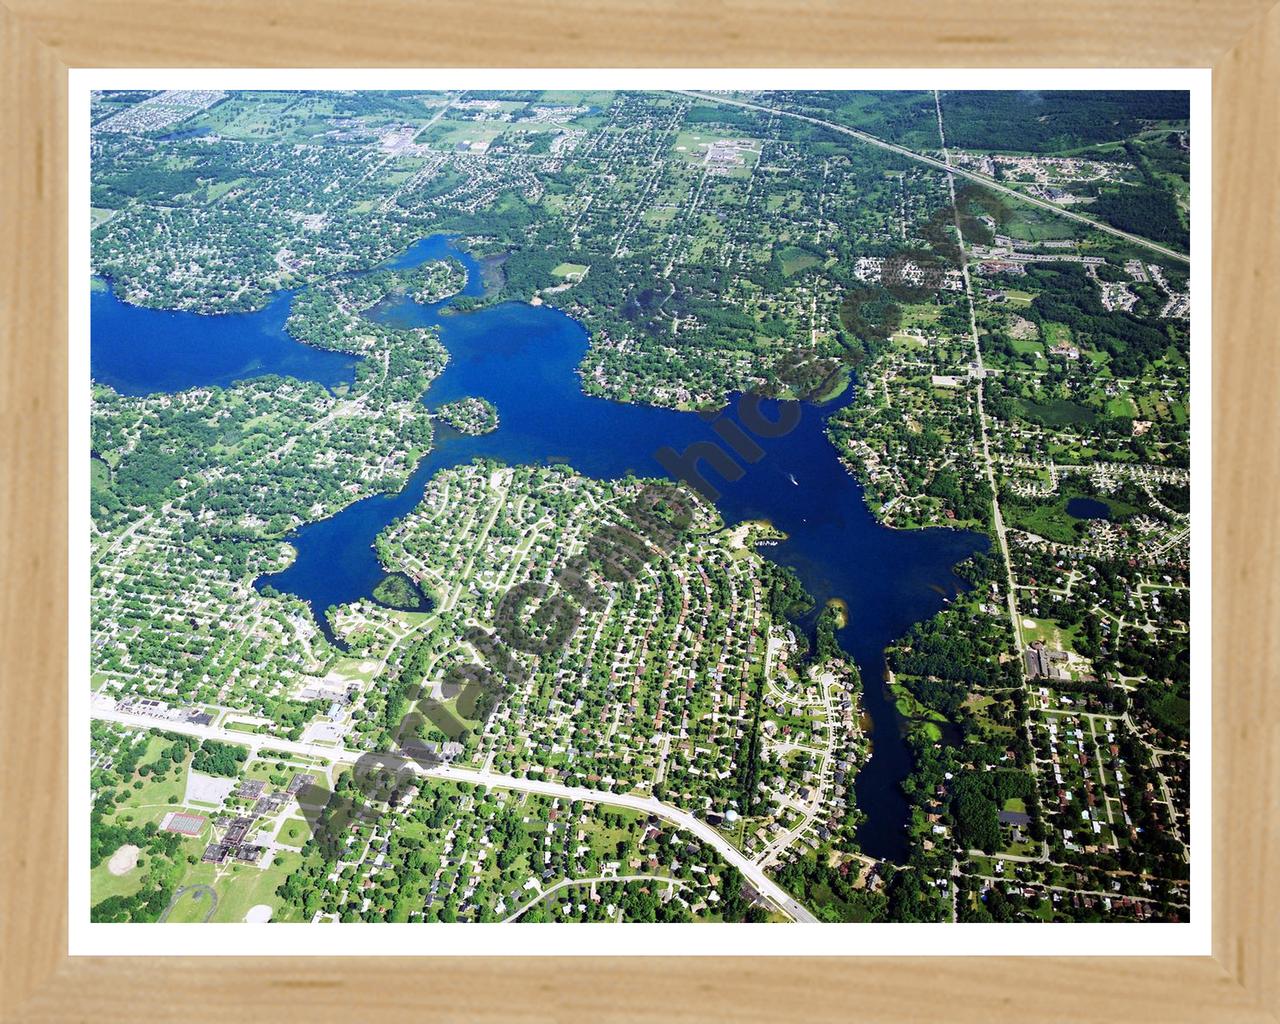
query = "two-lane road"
x=941 y=165
x=104 y=710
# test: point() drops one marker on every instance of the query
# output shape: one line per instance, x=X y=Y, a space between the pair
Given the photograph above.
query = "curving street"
x=104 y=710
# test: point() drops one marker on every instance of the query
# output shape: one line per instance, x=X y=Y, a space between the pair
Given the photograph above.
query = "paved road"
x=779 y=845
x=200 y=892
x=984 y=427
x=752 y=872
x=567 y=882
x=981 y=179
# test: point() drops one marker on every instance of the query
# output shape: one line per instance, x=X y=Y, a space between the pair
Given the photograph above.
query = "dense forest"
x=1044 y=121
x=1065 y=294
x=1143 y=210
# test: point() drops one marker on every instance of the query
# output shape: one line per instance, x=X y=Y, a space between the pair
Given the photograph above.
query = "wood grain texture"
x=653 y=33
x=39 y=39
x=1246 y=533
x=33 y=511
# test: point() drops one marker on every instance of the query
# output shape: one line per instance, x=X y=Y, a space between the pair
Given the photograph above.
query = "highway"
x=941 y=165
x=103 y=710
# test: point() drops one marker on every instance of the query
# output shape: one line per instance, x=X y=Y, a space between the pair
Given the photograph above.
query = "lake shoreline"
x=524 y=359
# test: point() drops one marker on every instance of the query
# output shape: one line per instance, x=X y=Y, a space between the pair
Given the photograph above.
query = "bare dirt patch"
x=124 y=859
x=1023 y=329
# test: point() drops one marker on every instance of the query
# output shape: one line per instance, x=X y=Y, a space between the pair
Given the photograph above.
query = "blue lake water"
x=1088 y=508
x=141 y=351
x=523 y=359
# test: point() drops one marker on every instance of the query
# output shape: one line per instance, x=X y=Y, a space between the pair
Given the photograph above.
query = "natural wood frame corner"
x=42 y=39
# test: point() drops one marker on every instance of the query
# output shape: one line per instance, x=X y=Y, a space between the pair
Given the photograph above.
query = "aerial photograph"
x=632 y=506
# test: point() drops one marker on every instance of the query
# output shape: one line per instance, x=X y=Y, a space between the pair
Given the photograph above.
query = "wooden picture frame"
x=42 y=39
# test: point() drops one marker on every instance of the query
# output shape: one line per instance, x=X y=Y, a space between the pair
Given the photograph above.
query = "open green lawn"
x=1044 y=630
x=1057 y=412
x=99 y=472
x=156 y=796
x=102 y=883
x=566 y=269
x=446 y=134
x=356 y=668
x=795 y=260
x=277 y=771
x=923 y=718
x=1052 y=521
x=1056 y=333
x=659 y=216
x=256 y=117
x=192 y=907
x=981 y=707
x=219 y=189
x=242 y=886
x=922 y=314
x=691 y=146
x=1048 y=521
x=1156 y=407
x=578 y=97
x=1030 y=224
x=295 y=832
x=1054 y=636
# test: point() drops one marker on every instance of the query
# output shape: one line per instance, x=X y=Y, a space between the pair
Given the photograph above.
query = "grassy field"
x=1031 y=224
x=99 y=472
x=1154 y=407
x=566 y=269
x=218 y=189
x=1048 y=521
x=920 y=716
x=981 y=708
x=579 y=98
x=151 y=797
x=270 y=115
x=1057 y=412
x=295 y=832
x=923 y=314
x=1053 y=522
x=102 y=883
x=1056 y=333
x=795 y=260
x=659 y=216
x=192 y=907
x=691 y=146
x=242 y=886
x=446 y=134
